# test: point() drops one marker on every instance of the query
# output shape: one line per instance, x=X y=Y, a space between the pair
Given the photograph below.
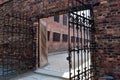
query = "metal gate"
x=81 y=41
x=17 y=49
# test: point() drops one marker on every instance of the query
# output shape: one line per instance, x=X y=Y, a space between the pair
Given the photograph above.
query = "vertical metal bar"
x=87 y=49
x=82 y=44
x=93 y=46
x=69 y=55
x=91 y=52
x=86 y=44
x=87 y=63
x=77 y=41
x=69 y=45
x=69 y=48
x=73 y=47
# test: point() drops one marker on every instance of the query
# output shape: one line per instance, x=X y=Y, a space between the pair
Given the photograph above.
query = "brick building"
x=107 y=35
x=57 y=29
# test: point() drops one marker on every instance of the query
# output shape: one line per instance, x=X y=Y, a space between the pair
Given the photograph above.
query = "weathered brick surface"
x=108 y=37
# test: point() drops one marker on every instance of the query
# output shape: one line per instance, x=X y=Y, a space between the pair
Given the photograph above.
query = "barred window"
x=77 y=39
x=64 y=19
x=80 y=40
x=56 y=36
x=72 y=38
x=56 y=18
x=64 y=37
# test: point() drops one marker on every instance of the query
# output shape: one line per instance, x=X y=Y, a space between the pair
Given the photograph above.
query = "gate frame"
x=92 y=42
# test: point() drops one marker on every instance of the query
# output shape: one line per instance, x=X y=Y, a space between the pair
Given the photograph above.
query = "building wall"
x=57 y=27
x=107 y=20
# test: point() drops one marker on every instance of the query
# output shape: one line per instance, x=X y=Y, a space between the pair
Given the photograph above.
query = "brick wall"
x=107 y=19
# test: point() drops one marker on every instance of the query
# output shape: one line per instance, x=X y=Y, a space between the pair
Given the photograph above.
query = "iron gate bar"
x=93 y=44
x=77 y=28
x=81 y=48
x=80 y=52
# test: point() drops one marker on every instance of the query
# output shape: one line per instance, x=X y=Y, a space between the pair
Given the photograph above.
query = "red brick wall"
x=107 y=19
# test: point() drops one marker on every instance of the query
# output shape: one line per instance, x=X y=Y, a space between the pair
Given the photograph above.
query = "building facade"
x=57 y=29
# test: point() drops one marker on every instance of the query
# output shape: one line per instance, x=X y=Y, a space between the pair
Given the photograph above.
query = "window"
x=71 y=26
x=64 y=37
x=80 y=28
x=86 y=40
x=64 y=19
x=56 y=36
x=72 y=39
x=48 y=35
x=80 y=40
x=56 y=18
x=77 y=39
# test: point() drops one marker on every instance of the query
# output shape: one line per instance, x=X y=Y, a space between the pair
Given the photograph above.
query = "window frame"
x=65 y=20
x=56 y=37
x=64 y=37
x=56 y=18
